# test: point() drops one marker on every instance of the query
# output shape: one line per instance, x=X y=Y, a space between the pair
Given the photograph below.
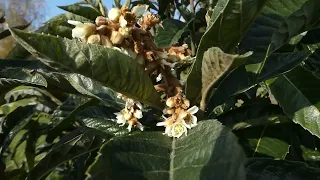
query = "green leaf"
x=84 y=11
x=282 y=8
x=271 y=141
x=10 y=107
x=242 y=79
x=229 y=21
x=300 y=21
x=297 y=93
x=23 y=91
x=171 y=33
x=106 y=125
x=7 y=33
x=123 y=74
x=80 y=141
x=305 y=19
x=209 y=151
x=253 y=115
x=215 y=64
x=261 y=168
x=2 y=13
x=57 y=25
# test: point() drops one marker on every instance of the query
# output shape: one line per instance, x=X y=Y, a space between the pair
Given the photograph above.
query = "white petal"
x=159 y=77
x=193 y=110
x=163 y=123
x=194 y=121
x=168 y=130
x=139 y=10
x=78 y=32
x=129 y=127
x=140 y=126
x=123 y=23
x=116 y=48
x=186 y=125
x=75 y=23
x=139 y=105
x=138 y=114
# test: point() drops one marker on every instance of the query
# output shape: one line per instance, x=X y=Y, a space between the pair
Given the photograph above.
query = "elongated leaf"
x=241 y=79
x=253 y=115
x=7 y=33
x=84 y=11
x=230 y=19
x=123 y=74
x=209 y=151
x=266 y=141
x=297 y=93
x=282 y=8
x=75 y=144
x=261 y=168
x=215 y=64
x=171 y=33
x=57 y=25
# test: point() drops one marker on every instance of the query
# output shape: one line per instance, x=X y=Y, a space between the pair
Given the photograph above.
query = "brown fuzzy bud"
x=116 y=37
x=100 y=20
x=94 y=39
x=105 y=41
x=125 y=32
x=104 y=30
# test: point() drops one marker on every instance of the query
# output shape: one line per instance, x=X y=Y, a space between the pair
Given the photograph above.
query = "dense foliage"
x=233 y=82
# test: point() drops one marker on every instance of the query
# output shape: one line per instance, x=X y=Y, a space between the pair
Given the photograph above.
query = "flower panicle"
x=130 y=114
x=178 y=117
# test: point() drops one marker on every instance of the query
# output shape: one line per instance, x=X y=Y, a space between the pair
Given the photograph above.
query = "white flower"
x=189 y=118
x=178 y=129
x=114 y=14
x=75 y=23
x=139 y=10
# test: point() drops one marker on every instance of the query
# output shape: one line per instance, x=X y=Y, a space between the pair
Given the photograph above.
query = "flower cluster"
x=130 y=31
x=130 y=114
x=180 y=116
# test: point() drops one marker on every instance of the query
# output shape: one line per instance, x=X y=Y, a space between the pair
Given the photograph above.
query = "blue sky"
x=54 y=10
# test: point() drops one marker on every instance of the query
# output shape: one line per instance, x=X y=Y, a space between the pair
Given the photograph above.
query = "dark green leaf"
x=266 y=141
x=282 y=8
x=84 y=11
x=57 y=25
x=261 y=168
x=7 y=33
x=209 y=151
x=171 y=33
x=253 y=115
x=229 y=21
x=79 y=142
x=123 y=74
x=297 y=93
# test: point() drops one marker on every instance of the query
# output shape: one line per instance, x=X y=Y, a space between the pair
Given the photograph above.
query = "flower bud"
x=104 y=30
x=83 y=30
x=139 y=10
x=94 y=39
x=100 y=20
x=125 y=32
x=123 y=22
x=170 y=102
x=114 y=14
x=116 y=37
x=105 y=41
